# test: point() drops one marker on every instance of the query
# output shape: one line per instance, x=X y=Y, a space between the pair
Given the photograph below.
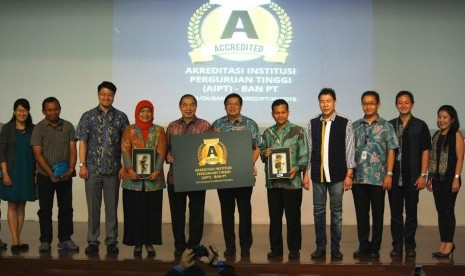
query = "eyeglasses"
x=233 y=104
x=369 y=104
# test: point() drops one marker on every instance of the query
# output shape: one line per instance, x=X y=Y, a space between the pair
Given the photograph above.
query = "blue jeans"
x=335 y=191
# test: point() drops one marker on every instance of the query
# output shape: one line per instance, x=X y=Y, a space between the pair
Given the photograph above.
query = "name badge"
x=364 y=155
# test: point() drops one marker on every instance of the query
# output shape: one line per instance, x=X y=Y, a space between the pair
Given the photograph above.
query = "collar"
x=399 y=120
x=374 y=121
x=59 y=123
x=109 y=110
x=332 y=118
x=286 y=127
x=181 y=120
x=239 y=119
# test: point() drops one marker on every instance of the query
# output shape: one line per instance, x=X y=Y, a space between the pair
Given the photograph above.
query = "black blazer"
x=8 y=143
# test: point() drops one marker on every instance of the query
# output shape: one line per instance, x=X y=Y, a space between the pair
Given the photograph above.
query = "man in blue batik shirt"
x=99 y=133
x=375 y=142
x=235 y=121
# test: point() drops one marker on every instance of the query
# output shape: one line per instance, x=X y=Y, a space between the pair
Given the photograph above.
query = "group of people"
x=333 y=155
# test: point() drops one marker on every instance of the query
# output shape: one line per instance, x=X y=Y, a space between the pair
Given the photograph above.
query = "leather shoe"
x=272 y=255
x=318 y=253
x=137 y=251
x=3 y=245
x=437 y=253
x=360 y=253
x=294 y=254
x=91 y=249
x=230 y=253
x=374 y=255
x=336 y=255
x=16 y=248
x=245 y=253
x=395 y=252
x=112 y=248
x=411 y=253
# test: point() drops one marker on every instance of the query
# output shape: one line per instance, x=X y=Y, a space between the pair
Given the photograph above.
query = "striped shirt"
x=54 y=141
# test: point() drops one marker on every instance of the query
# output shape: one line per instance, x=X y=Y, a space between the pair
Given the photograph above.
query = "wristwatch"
x=390 y=173
x=457 y=176
x=424 y=175
x=81 y=164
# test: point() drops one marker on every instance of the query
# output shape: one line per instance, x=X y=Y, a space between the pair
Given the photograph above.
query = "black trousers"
x=46 y=192
x=178 y=203
x=444 y=200
x=366 y=196
x=142 y=217
x=400 y=197
x=288 y=201
x=228 y=199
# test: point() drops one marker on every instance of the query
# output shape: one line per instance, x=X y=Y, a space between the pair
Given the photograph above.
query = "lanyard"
x=368 y=132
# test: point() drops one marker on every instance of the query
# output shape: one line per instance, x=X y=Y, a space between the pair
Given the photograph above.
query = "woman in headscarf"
x=143 y=192
x=18 y=170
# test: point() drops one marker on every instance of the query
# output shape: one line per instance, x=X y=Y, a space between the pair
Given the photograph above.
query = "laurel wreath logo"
x=284 y=39
x=193 y=30
x=285 y=35
x=201 y=157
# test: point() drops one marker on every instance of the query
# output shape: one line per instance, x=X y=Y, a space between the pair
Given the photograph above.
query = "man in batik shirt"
x=99 y=133
x=187 y=124
x=375 y=142
x=235 y=121
x=285 y=194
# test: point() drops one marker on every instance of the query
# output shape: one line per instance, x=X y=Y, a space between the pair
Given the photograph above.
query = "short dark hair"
x=327 y=91
x=233 y=95
x=279 y=102
x=25 y=104
x=405 y=93
x=50 y=100
x=370 y=93
x=108 y=85
x=188 y=96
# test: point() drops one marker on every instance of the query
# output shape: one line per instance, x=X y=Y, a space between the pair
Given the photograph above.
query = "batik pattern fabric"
x=102 y=132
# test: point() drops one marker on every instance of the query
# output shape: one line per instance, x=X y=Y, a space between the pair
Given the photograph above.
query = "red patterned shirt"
x=180 y=127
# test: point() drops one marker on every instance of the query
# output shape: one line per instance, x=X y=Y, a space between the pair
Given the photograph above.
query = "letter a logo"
x=233 y=23
x=239 y=30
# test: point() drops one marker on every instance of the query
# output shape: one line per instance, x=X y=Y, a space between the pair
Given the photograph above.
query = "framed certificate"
x=143 y=162
x=214 y=160
x=279 y=163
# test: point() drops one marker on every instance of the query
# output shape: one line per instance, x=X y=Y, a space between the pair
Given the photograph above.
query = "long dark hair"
x=455 y=125
x=24 y=104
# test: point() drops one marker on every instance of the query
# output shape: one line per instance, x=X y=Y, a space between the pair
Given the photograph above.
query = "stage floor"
x=427 y=240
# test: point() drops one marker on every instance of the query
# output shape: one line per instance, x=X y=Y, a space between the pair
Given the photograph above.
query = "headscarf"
x=144 y=126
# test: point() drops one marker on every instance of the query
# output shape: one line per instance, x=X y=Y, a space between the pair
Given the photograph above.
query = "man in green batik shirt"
x=285 y=194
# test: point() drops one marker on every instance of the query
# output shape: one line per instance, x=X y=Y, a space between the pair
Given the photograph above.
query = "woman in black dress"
x=445 y=168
